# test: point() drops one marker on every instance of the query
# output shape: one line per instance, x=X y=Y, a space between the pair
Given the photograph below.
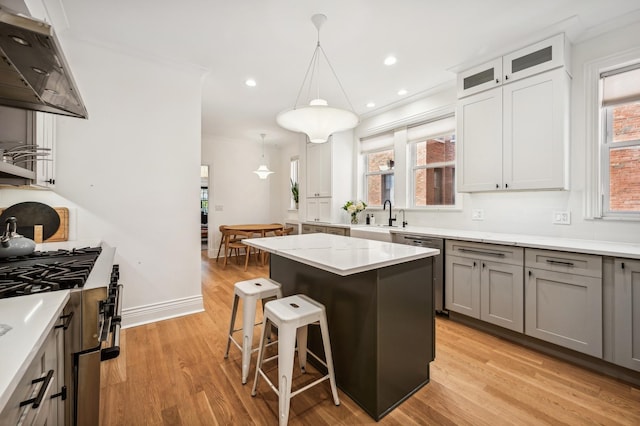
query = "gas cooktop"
x=46 y=271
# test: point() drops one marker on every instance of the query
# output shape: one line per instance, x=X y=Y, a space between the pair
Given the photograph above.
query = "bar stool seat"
x=292 y=315
x=250 y=291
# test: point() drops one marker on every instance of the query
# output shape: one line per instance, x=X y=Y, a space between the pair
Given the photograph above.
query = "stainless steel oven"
x=93 y=338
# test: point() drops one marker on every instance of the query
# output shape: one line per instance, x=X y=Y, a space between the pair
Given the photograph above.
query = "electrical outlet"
x=477 y=214
x=562 y=218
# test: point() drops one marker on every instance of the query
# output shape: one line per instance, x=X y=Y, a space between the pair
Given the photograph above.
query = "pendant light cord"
x=315 y=63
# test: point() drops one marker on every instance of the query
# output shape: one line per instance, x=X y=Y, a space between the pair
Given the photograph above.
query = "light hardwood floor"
x=173 y=373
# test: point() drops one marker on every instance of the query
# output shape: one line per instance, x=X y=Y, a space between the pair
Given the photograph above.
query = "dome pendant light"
x=263 y=171
x=318 y=120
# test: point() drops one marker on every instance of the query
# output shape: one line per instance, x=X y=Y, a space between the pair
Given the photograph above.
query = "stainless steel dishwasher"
x=438 y=263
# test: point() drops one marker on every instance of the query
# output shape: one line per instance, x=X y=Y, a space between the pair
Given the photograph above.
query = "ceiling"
x=272 y=42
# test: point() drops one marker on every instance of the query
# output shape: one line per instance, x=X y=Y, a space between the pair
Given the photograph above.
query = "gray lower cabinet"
x=40 y=386
x=312 y=229
x=485 y=281
x=627 y=313
x=564 y=299
x=325 y=229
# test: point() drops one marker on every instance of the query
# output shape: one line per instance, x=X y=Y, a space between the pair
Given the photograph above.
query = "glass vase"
x=354 y=219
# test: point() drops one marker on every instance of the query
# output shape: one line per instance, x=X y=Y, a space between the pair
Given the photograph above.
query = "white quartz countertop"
x=25 y=322
x=338 y=254
x=603 y=248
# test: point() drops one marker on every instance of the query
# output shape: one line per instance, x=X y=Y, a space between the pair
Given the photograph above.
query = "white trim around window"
x=595 y=179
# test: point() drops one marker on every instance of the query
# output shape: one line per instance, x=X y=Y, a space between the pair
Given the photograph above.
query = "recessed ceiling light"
x=402 y=92
x=250 y=82
x=370 y=105
x=390 y=60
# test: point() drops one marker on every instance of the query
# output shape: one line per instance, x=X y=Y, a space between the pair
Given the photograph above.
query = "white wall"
x=131 y=174
x=236 y=194
x=527 y=212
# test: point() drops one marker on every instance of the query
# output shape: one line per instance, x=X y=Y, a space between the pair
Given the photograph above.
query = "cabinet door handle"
x=487 y=253
x=497 y=80
x=558 y=262
x=51 y=181
x=497 y=186
x=67 y=321
x=483 y=265
x=622 y=264
x=506 y=77
x=474 y=264
x=38 y=399
x=506 y=185
x=530 y=273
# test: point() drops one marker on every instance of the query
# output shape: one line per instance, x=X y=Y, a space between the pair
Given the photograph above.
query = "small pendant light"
x=263 y=171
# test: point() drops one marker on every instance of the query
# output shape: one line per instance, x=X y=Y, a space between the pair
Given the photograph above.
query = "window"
x=379 y=160
x=433 y=163
x=294 y=181
x=620 y=141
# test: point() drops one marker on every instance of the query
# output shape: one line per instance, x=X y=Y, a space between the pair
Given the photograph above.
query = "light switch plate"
x=562 y=217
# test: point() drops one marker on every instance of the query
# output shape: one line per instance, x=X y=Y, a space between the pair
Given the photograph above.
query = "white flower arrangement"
x=353 y=208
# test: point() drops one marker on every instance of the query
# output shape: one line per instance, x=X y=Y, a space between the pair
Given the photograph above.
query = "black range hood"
x=34 y=74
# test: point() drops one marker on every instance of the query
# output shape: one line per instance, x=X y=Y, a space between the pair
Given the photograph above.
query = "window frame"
x=294 y=174
x=594 y=169
x=367 y=173
x=413 y=154
x=606 y=145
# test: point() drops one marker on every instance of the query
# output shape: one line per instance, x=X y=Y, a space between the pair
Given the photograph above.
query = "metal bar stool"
x=250 y=291
x=292 y=315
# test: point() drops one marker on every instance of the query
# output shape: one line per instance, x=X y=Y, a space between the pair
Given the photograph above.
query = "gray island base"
x=381 y=326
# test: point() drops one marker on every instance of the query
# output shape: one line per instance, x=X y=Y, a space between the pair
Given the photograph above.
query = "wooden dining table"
x=261 y=228
x=258 y=228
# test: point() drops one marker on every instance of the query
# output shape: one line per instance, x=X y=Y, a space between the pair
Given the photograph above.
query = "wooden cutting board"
x=62 y=234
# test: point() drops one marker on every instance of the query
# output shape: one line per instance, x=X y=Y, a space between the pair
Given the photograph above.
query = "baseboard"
x=140 y=315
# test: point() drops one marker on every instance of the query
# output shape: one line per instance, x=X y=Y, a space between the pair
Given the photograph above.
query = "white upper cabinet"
x=328 y=178
x=319 y=169
x=480 y=78
x=479 y=125
x=46 y=141
x=534 y=59
x=536 y=132
x=516 y=136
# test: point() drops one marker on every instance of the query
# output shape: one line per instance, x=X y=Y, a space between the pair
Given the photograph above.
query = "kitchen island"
x=379 y=302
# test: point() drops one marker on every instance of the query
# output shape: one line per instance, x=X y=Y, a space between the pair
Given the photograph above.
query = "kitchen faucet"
x=384 y=207
x=404 y=222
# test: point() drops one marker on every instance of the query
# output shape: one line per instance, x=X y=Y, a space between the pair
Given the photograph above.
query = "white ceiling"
x=272 y=41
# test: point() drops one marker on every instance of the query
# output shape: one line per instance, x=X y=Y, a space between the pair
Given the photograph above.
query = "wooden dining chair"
x=285 y=231
x=233 y=241
x=222 y=229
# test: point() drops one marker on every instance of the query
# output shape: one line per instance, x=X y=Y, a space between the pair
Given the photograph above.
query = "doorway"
x=204 y=207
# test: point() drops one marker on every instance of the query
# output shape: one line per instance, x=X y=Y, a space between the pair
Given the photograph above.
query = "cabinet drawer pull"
x=38 y=399
x=558 y=262
x=487 y=253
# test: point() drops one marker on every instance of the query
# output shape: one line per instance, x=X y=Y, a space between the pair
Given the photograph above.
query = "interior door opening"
x=204 y=207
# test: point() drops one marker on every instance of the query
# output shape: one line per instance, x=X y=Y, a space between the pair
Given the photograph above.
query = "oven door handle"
x=112 y=351
x=115 y=324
